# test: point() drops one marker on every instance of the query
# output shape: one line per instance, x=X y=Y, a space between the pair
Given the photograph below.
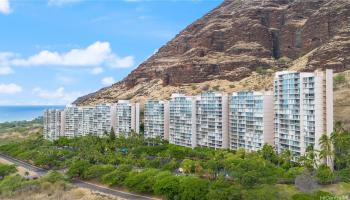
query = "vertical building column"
x=193 y=123
x=225 y=121
x=268 y=118
x=63 y=123
x=166 y=120
x=114 y=117
x=329 y=101
x=301 y=116
x=137 y=117
x=133 y=117
x=319 y=108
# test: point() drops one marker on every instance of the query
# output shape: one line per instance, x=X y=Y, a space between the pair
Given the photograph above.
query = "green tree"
x=188 y=166
x=326 y=152
x=285 y=159
x=97 y=171
x=341 y=142
x=193 y=188
x=141 y=181
x=344 y=175
x=269 y=153
x=167 y=186
x=142 y=128
x=171 y=165
x=117 y=176
x=223 y=190
x=324 y=174
x=261 y=193
x=77 y=168
x=6 y=170
x=53 y=177
x=112 y=134
x=309 y=160
x=10 y=184
x=292 y=173
x=253 y=171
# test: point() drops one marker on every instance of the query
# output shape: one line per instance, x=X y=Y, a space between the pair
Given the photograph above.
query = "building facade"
x=156 y=119
x=53 y=122
x=293 y=117
x=97 y=120
x=127 y=117
x=73 y=121
x=251 y=120
x=303 y=109
x=103 y=119
x=182 y=123
x=212 y=120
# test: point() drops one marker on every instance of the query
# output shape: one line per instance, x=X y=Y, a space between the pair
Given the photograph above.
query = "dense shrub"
x=171 y=165
x=262 y=193
x=193 y=188
x=141 y=181
x=324 y=174
x=97 y=171
x=78 y=168
x=315 y=196
x=344 y=175
x=6 y=170
x=117 y=176
x=10 y=184
x=167 y=185
x=223 y=190
x=292 y=173
x=254 y=171
x=53 y=177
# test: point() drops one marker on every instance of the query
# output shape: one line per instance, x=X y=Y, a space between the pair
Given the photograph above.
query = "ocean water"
x=18 y=113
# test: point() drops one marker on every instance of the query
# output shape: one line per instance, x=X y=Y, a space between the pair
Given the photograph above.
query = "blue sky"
x=52 y=51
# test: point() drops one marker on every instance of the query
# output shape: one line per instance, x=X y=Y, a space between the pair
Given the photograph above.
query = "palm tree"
x=309 y=159
x=341 y=141
x=326 y=152
x=286 y=158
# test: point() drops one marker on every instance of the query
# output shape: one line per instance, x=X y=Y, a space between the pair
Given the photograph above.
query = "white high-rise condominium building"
x=73 y=121
x=76 y=121
x=303 y=109
x=104 y=116
x=97 y=119
x=87 y=120
x=182 y=124
x=53 y=124
x=251 y=120
x=127 y=117
x=212 y=120
x=156 y=119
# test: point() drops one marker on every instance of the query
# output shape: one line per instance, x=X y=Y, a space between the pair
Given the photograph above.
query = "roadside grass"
x=338 y=189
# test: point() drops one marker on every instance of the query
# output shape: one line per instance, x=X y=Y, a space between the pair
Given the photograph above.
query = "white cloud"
x=10 y=88
x=61 y=2
x=98 y=53
x=108 y=80
x=97 y=70
x=5 y=70
x=59 y=96
x=5 y=7
x=116 y=62
x=65 y=79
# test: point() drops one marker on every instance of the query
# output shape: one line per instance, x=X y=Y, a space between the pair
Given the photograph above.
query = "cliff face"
x=225 y=48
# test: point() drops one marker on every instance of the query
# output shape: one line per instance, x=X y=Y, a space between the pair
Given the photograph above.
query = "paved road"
x=79 y=183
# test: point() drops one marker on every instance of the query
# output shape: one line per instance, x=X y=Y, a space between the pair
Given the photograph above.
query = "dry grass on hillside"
x=55 y=192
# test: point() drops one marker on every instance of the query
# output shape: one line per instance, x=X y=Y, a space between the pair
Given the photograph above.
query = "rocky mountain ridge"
x=239 y=45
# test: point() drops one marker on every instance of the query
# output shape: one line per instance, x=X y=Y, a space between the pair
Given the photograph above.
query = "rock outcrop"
x=239 y=45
